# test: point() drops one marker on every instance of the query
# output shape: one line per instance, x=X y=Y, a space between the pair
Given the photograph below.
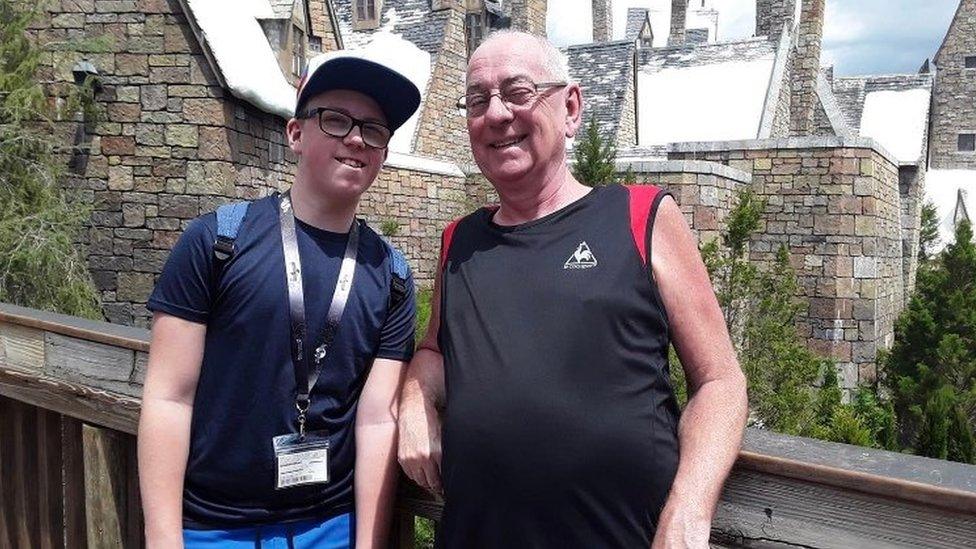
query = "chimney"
x=602 y=20
x=772 y=15
x=806 y=67
x=679 y=21
x=528 y=16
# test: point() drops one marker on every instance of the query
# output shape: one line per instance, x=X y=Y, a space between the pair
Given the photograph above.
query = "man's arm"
x=175 y=356
x=376 y=429
x=711 y=427
x=421 y=400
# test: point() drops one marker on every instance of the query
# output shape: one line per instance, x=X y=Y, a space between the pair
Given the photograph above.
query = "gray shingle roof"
x=851 y=90
x=692 y=55
x=411 y=19
x=636 y=17
x=603 y=71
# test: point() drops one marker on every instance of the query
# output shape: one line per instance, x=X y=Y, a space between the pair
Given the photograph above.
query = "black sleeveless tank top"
x=560 y=429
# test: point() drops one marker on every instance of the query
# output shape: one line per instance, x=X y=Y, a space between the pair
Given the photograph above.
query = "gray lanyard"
x=306 y=377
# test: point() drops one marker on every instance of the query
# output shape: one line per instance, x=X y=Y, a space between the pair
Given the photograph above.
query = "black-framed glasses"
x=339 y=124
x=513 y=96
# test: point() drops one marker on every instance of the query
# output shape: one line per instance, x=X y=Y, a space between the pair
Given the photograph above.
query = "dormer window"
x=297 y=51
x=366 y=14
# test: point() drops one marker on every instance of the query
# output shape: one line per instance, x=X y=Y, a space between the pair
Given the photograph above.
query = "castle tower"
x=529 y=15
x=602 y=20
x=953 y=139
x=772 y=15
x=679 y=22
x=806 y=67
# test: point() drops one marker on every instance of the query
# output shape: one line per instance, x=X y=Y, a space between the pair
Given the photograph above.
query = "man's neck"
x=528 y=201
x=319 y=211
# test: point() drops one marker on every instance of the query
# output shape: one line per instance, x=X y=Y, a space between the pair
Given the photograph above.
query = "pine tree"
x=594 y=158
x=40 y=263
x=931 y=369
x=928 y=235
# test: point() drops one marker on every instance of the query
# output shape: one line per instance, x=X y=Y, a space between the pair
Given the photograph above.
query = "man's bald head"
x=553 y=62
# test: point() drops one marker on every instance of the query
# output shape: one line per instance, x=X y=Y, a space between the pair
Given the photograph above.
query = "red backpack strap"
x=446 y=241
x=644 y=200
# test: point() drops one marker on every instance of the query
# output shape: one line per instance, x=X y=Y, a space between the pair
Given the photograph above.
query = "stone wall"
x=835 y=204
x=602 y=20
x=679 y=22
x=705 y=191
x=771 y=15
x=806 y=68
x=953 y=107
x=322 y=20
x=441 y=130
x=421 y=197
x=529 y=15
x=627 y=130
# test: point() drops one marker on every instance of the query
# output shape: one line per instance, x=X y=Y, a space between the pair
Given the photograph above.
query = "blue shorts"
x=334 y=533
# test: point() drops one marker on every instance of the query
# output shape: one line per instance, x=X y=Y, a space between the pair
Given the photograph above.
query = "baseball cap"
x=366 y=71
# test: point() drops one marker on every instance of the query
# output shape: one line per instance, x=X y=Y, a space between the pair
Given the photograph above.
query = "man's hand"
x=420 y=426
x=676 y=529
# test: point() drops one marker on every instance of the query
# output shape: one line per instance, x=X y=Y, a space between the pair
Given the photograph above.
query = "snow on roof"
x=897 y=120
x=411 y=19
x=242 y=53
x=705 y=93
x=410 y=61
x=953 y=192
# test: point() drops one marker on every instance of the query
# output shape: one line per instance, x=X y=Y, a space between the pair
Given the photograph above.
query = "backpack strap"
x=399 y=271
x=229 y=219
x=644 y=201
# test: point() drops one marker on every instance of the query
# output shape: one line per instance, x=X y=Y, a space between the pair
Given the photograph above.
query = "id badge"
x=302 y=462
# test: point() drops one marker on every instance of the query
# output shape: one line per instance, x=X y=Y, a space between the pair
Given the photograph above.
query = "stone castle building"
x=196 y=97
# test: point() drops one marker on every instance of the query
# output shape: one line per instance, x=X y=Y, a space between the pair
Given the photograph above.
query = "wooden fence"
x=69 y=405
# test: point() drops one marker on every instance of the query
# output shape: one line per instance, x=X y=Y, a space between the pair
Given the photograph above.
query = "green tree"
x=931 y=369
x=40 y=262
x=928 y=235
x=594 y=158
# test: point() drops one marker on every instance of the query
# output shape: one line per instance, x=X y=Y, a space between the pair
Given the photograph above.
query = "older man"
x=547 y=350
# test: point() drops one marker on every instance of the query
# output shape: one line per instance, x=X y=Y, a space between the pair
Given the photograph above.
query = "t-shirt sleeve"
x=397 y=336
x=183 y=288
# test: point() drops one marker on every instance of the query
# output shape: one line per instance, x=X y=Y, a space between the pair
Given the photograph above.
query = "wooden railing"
x=69 y=405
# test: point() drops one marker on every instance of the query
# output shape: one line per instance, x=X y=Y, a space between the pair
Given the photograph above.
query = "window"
x=366 y=9
x=967 y=142
x=971 y=61
x=367 y=14
x=297 y=51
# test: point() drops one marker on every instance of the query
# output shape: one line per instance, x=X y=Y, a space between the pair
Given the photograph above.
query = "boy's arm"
x=175 y=357
x=376 y=471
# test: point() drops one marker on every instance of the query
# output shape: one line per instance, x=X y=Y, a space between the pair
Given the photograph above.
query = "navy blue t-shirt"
x=246 y=391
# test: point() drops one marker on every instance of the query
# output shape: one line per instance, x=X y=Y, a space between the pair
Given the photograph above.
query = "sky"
x=860 y=36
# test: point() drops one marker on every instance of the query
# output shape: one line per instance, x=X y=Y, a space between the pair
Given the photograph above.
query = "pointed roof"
x=971 y=6
x=636 y=19
x=603 y=71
